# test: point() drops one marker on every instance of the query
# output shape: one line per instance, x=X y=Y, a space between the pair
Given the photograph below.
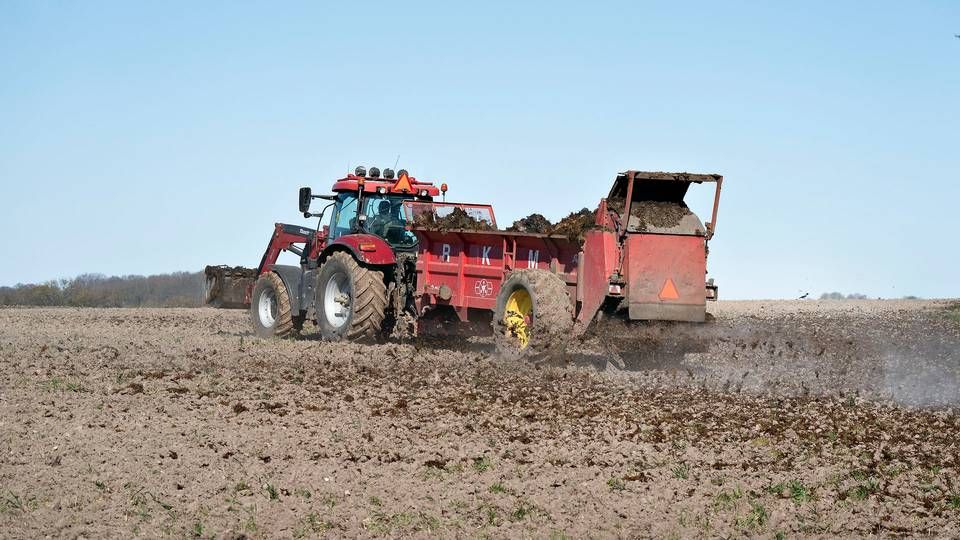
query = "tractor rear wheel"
x=533 y=317
x=270 y=307
x=351 y=300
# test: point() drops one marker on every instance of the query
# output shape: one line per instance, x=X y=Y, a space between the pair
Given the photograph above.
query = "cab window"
x=344 y=219
x=386 y=219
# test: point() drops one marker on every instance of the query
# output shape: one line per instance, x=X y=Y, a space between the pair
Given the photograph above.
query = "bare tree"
x=179 y=289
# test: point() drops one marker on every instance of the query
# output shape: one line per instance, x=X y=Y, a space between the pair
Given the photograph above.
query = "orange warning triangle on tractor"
x=669 y=291
x=402 y=185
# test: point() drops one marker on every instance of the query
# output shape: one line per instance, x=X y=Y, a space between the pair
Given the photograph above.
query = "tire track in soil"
x=177 y=422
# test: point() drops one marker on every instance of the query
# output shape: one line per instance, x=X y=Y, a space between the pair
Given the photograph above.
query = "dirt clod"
x=795 y=419
x=534 y=223
x=572 y=226
x=131 y=388
x=458 y=219
x=659 y=214
x=575 y=224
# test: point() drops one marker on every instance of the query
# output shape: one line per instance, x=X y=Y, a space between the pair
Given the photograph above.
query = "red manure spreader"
x=392 y=258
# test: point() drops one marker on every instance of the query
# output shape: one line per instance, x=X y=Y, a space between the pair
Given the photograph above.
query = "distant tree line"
x=855 y=296
x=841 y=296
x=179 y=289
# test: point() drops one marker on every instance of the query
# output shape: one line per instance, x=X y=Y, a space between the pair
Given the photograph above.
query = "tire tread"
x=553 y=315
x=284 y=326
x=369 y=298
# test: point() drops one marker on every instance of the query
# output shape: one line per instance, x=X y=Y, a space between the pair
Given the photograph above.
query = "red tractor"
x=392 y=255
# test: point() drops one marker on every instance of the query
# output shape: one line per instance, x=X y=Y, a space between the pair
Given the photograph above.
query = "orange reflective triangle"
x=403 y=185
x=669 y=291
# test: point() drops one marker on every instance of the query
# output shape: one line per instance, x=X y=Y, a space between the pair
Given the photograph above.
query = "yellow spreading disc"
x=518 y=316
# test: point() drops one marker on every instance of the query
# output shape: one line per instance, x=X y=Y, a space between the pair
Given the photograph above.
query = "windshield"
x=385 y=218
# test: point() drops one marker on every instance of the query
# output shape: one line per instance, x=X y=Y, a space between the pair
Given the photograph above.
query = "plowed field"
x=778 y=418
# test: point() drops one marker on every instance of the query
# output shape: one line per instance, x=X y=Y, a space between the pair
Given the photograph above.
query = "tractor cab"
x=381 y=216
x=371 y=203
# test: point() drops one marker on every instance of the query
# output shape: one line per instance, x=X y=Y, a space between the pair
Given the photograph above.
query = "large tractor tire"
x=534 y=316
x=351 y=300
x=270 y=308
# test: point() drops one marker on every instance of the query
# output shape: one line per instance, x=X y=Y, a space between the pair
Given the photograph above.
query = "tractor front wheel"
x=351 y=299
x=270 y=307
x=534 y=316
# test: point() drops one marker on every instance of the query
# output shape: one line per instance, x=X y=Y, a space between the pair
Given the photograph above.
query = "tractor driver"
x=386 y=220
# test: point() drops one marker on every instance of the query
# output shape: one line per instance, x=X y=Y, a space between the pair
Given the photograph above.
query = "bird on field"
x=804 y=295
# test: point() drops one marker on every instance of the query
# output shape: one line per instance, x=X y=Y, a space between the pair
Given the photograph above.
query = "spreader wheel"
x=351 y=299
x=270 y=307
x=534 y=317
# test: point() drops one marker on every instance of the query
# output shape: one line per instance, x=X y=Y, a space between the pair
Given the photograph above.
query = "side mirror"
x=305 y=196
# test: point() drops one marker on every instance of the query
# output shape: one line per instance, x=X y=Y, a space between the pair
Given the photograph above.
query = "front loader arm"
x=283 y=239
x=232 y=287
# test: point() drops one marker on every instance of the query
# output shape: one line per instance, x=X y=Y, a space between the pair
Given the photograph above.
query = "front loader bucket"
x=226 y=286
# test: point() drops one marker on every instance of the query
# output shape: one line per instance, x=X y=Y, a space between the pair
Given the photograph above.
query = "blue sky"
x=142 y=137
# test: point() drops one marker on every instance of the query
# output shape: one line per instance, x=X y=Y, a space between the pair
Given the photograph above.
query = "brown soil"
x=573 y=226
x=225 y=286
x=660 y=214
x=807 y=419
x=458 y=219
x=534 y=223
